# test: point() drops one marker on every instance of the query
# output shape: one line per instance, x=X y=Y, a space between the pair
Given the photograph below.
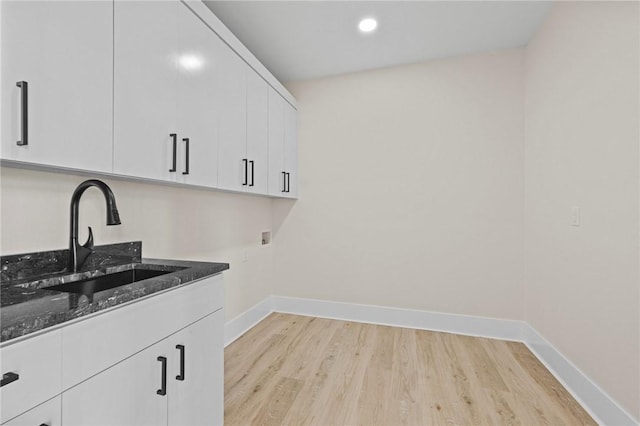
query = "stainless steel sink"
x=89 y=286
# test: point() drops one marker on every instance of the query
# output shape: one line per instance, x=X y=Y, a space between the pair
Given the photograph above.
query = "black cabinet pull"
x=284 y=181
x=24 y=125
x=246 y=171
x=252 y=170
x=175 y=150
x=163 y=388
x=186 y=153
x=43 y=424
x=288 y=182
x=8 y=378
x=181 y=375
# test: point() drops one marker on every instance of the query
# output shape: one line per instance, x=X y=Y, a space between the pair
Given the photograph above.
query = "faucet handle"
x=89 y=243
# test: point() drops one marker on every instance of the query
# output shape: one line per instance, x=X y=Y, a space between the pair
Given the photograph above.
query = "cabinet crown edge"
x=217 y=26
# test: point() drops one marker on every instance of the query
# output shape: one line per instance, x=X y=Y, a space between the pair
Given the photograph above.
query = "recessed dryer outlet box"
x=266 y=238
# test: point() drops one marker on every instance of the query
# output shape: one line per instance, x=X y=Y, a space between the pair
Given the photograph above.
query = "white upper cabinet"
x=166 y=98
x=257 y=133
x=232 y=129
x=283 y=147
x=244 y=126
x=145 y=88
x=63 y=51
x=157 y=90
x=198 y=100
x=277 y=175
x=291 y=149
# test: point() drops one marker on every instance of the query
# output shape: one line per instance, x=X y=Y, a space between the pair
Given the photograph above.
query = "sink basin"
x=92 y=285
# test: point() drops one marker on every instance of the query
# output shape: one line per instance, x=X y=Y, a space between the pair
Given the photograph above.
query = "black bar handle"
x=246 y=171
x=288 y=182
x=284 y=181
x=163 y=388
x=9 y=378
x=186 y=153
x=175 y=150
x=24 y=138
x=252 y=172
x=181 y=375
x=43 y=424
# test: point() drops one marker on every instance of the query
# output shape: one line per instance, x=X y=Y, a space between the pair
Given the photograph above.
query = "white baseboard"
x=436 y=321
x=239 y=325
x=600 y=406
x=604 y=409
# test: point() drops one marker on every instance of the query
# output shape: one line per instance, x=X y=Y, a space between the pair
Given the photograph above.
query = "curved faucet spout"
x=79 y=253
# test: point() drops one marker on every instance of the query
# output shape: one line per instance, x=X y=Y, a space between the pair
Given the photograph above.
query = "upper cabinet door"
x=64 y=52
x=257 y=132
x=233 y=169
x=283 y=147
x=277 y=173
x=198 y=104
x=291 y=150
x=145 y=88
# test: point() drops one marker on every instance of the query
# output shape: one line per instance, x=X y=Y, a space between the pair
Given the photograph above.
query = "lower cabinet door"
x=47 y=413
x=129 y=393
x=197 y=369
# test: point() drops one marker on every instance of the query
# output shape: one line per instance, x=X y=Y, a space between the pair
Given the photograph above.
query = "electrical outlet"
x=575 y=216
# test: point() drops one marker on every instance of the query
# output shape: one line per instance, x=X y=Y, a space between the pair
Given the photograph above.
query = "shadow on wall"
x=281 y=210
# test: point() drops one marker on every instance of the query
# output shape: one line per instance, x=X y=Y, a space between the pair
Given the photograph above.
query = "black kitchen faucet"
x=79 y=253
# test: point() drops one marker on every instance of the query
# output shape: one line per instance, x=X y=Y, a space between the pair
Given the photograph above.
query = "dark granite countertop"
x=28 y=304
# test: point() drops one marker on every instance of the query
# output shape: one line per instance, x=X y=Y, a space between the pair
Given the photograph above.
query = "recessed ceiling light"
x=367 y=25
x=190 y=62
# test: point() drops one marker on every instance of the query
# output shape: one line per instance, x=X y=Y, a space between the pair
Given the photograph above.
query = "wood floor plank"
x=273 y=410
x=295 y=370
x=244 y=397
x=537 y=404
x=433 y=405
x=348 y=374
x=484 y=366
x=370 y=409
x=571 y=410
x=461 y=385
x=316 y=391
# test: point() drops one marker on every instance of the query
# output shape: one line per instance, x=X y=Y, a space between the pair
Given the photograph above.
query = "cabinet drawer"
x=48 y=413
x=36 y=361
x=97 y=343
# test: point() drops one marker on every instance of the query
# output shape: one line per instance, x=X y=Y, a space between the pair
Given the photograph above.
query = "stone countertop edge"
x=41 y=310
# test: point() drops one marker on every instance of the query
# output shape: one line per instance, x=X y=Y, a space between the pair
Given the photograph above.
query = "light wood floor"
x=297 y=370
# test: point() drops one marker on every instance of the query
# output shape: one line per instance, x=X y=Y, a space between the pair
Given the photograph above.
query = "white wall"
x=171 y=222
x=411 y=188
x=582 y=135
x=426 y=187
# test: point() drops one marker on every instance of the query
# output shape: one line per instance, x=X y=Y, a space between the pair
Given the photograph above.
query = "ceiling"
x=298 y=40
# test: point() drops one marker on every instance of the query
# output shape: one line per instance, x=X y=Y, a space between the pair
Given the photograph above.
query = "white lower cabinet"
x=46 y=414
x=177 y=381
x=124 y=394
x=198 y=399
x=30 y=373
x=158 y=361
